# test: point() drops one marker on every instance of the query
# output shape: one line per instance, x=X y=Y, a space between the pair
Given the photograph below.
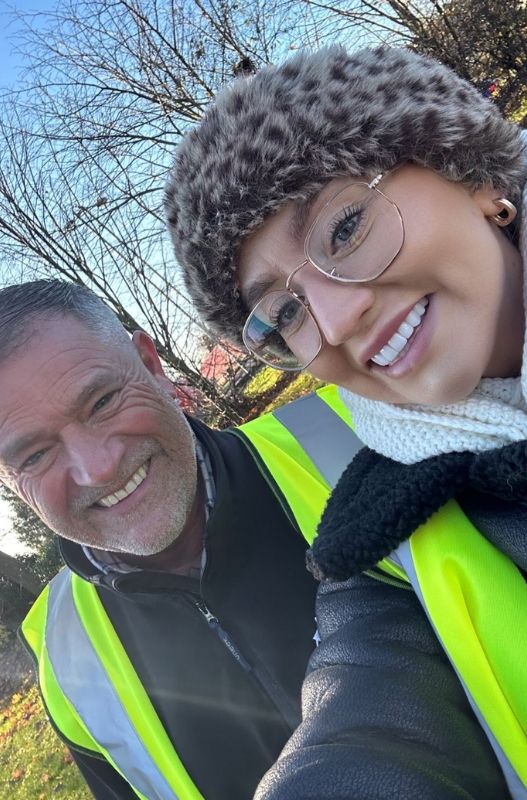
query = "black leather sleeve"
x=384 y=715
x=102 y=779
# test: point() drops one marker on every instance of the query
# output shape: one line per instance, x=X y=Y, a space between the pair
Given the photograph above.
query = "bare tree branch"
x=88 y=140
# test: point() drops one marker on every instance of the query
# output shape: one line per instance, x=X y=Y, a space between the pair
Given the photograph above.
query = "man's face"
x=92 y=440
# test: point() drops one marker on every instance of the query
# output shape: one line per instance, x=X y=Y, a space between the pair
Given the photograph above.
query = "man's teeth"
x=391 y=351
x=135 y=481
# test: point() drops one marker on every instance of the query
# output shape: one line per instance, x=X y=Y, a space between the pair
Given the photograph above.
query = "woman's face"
x=453 y=258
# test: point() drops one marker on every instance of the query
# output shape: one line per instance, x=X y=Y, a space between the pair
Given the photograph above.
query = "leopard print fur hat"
x=283 y=133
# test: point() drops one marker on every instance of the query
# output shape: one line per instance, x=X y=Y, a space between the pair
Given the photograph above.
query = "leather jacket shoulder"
x=384 y=716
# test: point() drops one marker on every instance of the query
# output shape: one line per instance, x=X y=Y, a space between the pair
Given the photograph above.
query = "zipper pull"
x=223 y=635
x=209 y=616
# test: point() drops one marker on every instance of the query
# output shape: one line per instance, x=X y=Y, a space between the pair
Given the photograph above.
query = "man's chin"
x=136 y=549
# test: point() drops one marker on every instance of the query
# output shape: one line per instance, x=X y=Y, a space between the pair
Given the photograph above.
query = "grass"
x=265 y=380
x=34 y=764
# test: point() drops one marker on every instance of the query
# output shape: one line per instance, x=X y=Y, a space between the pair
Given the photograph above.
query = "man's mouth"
x=396 y=347
x=131 y=485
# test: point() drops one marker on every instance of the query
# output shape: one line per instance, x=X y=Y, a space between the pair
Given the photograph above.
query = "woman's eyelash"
x=346 y=215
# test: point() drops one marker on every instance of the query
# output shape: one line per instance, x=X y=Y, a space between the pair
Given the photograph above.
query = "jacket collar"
x=378 y=502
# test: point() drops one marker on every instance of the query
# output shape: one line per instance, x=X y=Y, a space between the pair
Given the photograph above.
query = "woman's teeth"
x=388 y=354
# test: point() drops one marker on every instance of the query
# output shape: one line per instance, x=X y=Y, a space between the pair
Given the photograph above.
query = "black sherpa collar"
x=378 y=503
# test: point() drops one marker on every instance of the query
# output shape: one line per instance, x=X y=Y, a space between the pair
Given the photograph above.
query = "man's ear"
x=150 y=358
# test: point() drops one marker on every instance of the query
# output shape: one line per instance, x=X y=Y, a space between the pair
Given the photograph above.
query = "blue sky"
x=10 y=65
x=11 y=62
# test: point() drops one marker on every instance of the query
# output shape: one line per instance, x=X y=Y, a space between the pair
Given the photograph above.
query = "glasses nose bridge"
x=292 y=274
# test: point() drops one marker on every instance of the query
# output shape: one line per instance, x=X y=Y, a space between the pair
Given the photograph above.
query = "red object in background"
x=216 y=364
x=187 y=396
x=489 y=88
x=225 y=363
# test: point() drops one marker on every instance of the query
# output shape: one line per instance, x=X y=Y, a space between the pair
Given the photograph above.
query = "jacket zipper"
x=271 y=688
x=222 y=634
x=267 y=683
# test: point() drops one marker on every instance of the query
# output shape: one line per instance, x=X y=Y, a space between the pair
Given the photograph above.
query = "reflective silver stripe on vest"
x=403 y=556
x=77 y=665
x=330 y=443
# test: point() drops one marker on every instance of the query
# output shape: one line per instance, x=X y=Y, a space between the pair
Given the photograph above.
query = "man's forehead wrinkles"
x=49 y=356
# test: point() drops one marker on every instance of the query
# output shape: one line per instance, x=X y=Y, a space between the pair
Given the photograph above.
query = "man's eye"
x=102 y=402
x=32 y=460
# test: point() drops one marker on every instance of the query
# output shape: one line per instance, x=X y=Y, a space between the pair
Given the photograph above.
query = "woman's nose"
x=338 y=307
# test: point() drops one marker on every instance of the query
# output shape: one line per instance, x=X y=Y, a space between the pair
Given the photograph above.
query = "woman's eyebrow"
x=300 y=218
x=257 y=289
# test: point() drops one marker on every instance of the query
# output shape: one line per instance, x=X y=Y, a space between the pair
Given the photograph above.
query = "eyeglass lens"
x=282 y=332
x=354 y=238
x=356 y=235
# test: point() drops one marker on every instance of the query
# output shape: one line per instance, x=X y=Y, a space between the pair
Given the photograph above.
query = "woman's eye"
x=288 y=315
x=345 y=230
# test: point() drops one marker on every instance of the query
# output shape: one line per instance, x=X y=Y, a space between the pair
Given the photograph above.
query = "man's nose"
x=93 y=459
x=338 y=307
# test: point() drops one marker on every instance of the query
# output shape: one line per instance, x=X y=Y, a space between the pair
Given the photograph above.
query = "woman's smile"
x=401 y=342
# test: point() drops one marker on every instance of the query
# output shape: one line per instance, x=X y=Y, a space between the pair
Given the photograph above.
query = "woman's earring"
x=506 y=214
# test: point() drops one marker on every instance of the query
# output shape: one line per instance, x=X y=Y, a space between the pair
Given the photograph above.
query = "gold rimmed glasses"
x=354 y=238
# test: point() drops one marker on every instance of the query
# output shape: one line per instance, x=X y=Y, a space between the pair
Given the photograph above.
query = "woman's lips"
x=414 y=349
x=397 y=344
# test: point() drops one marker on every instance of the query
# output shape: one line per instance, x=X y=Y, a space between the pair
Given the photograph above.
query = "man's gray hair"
x=23 y=305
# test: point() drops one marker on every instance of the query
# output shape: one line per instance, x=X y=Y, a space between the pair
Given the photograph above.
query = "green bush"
x=262 y=383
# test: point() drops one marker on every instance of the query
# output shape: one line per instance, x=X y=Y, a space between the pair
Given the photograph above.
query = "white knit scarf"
x=495 y=414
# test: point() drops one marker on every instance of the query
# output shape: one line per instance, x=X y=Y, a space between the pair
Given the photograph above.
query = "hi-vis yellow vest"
x=471 y=592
